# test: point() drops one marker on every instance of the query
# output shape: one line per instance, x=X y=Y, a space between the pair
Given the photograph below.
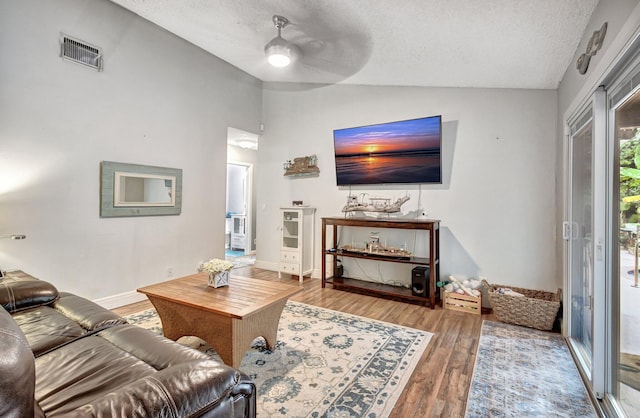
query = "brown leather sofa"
x=63 y=355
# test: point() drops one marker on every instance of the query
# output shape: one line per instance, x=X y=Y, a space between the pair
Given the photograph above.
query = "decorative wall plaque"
x=302 y=166
x=594 y=45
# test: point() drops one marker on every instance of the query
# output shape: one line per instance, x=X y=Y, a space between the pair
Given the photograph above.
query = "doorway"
x=240 y=213
x=236 y=210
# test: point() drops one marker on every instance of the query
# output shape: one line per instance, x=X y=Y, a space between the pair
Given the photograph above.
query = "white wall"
x=159 y=101
x=623 y=21
x=497 y=202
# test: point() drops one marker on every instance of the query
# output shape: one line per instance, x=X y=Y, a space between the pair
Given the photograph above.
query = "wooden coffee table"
x=228 y=318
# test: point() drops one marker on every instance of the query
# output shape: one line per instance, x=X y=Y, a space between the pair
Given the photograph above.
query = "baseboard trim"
x=266 y=265
x=122 y=299
x=127 y=298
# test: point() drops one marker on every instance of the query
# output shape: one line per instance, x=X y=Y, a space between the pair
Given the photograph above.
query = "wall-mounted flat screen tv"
x=405 y=151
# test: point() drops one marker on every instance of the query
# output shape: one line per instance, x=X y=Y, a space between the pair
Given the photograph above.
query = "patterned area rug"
x=523 y=372
x=326 y=363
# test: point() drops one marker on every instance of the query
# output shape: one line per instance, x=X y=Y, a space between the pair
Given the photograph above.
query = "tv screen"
x=405 y=151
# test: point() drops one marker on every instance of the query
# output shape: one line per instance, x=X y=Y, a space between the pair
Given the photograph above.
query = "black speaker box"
x=420 y=281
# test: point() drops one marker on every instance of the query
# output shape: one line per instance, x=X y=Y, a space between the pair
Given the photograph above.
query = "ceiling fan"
x=279 y=51
x=325 y=47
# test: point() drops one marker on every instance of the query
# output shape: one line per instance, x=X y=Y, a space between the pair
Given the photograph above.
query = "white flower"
x=216 y=265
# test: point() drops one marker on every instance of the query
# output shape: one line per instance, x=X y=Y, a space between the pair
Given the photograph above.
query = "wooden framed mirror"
x=139 y=190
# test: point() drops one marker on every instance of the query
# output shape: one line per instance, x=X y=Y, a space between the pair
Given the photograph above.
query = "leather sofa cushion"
x=17 y=295
x=46 y=328
x=17 y=369
x=87 y=314
x=128 y=371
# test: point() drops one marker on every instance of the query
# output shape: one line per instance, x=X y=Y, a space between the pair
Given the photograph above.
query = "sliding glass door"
x=602 y=230
x=625 y=344
x=579 y=233
x=586 y=232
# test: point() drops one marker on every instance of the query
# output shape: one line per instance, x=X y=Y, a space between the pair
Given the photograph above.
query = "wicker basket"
x=537 y=309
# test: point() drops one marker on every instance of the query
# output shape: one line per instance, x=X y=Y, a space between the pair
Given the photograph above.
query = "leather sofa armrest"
x=201 y=388
x=244 y=398
x=87 y=314
x=17 y=370
x=19 y=295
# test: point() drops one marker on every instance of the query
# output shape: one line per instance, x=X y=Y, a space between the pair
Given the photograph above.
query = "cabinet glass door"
x=238 y=225
x=290 y=229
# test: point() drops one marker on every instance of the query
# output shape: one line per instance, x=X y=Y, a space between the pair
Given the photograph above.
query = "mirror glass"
x=137 y=189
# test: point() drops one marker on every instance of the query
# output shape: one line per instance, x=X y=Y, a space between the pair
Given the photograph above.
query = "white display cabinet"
x=238 y=232
x=297 y=241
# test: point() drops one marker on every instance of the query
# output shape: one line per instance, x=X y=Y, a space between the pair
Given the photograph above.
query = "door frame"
x=602 y=239
x=623 y=84
x=611 y=66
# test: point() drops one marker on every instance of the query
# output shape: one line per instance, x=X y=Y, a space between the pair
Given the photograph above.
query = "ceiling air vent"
x=81 y=52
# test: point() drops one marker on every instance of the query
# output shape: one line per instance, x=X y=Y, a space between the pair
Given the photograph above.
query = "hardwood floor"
x=440 y=383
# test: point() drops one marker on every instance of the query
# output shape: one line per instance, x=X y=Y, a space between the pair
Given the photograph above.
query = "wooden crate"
x=463 y=303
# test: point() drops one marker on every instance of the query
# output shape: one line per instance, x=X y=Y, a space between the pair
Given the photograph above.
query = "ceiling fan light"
x=279 y=60
x=279 y=52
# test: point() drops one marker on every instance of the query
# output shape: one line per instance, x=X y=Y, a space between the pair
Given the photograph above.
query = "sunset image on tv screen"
x=395 y=152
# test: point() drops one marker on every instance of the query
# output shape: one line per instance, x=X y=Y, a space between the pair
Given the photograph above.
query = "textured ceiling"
x=445 y=43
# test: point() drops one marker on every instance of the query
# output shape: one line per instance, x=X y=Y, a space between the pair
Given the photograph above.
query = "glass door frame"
x=594 y=368
x=577 y=231
x=603 y=234
x=621 y=89
x=621 y=74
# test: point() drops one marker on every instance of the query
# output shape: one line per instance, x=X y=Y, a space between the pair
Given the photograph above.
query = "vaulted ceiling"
x=444 y=43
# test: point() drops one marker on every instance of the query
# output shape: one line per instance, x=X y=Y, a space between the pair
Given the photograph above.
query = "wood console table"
x=433 y=261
